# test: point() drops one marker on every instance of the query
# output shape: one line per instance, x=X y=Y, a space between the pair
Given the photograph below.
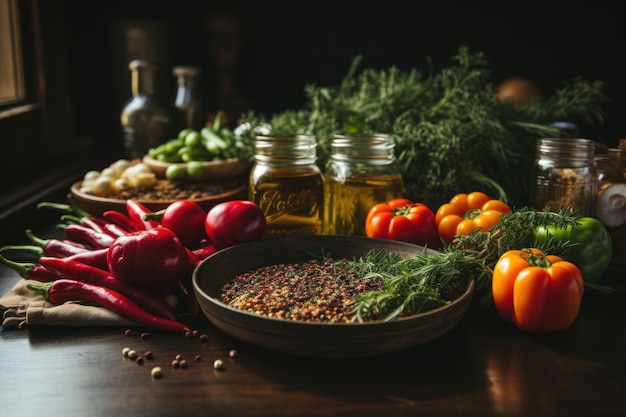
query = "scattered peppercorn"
x=204 y=337
x=156 y=372
x=176 y=363
x=132 y=354
x=198 y=358
x=218 y=364
x=145 y=335
x=149 y=355
x=139 y=360
x=128 y=333
x=125 y=352
x=232 y=353
x=183 y=364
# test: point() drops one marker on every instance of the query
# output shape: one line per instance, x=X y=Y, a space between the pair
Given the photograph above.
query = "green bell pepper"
x=588 y=245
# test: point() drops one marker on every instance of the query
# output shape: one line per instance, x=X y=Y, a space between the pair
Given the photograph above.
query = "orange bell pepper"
x=466 y=212
x=536 y=292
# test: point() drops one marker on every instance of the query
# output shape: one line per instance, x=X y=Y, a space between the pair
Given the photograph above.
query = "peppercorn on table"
x=483 y=367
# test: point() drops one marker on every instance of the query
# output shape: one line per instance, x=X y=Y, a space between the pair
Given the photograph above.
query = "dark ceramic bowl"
x=316 y=339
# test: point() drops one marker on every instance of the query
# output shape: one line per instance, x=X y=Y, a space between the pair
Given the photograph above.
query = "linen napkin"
x=22 y=307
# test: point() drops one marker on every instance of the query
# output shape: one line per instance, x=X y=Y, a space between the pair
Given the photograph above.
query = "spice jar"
x=286 y=183
x=565 y=175
x=611 y=200
x=360 y=173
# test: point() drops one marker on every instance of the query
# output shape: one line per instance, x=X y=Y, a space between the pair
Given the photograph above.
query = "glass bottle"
x=565 y=174
x=286 y=183
x=146 y=123
x=190 y=113
x=360 y=173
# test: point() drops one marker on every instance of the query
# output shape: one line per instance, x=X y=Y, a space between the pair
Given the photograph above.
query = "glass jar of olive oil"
x=361 y=172
x=286 y=183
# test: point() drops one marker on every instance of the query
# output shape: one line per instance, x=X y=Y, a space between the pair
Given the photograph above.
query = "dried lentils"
x=311 y=291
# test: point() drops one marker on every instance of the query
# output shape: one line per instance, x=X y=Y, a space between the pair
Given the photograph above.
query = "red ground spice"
x=311 y=291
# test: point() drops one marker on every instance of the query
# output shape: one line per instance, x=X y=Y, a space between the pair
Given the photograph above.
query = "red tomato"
x=186 y=219
x=401 y=219
x=235 y=221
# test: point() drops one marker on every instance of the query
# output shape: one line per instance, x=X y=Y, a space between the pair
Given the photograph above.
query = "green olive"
x=175 y=172
x=193 y=139
x=196 y=169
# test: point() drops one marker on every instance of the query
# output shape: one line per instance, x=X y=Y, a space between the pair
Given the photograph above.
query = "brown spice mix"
x=312 y=291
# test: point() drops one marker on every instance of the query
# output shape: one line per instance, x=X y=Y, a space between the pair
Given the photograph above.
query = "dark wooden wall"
x=282 y=46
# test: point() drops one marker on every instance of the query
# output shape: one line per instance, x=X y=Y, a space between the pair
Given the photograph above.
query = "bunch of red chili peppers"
x=126 y=262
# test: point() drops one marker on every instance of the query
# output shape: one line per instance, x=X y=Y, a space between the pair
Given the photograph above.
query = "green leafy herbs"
x=452 y=134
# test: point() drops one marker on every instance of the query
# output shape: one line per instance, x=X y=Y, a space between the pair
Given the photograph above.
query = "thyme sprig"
x=429 y=280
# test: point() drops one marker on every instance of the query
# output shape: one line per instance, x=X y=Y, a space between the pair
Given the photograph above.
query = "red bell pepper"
x=154 y=259
x=402 y=219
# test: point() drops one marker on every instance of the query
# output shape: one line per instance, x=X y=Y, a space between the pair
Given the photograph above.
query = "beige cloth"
x=22 y=307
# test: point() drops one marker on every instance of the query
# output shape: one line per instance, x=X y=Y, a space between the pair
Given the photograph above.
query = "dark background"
x=276 y=48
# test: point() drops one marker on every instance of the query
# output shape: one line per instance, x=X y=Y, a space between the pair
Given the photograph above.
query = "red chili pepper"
x=115 y=230
x=89 y=236
x=28 y=270
x=204 y=251
x=121 y=219
x=64 y=290
x=94 y=223
x=69 y=269
x=154 y=259
x=189 y=298
x=96 y=258
x=136 y=211
x=57 y=247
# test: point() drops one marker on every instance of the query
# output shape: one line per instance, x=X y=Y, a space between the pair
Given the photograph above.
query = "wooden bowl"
x=316 y=339
x=98 y=205
x=214 y=170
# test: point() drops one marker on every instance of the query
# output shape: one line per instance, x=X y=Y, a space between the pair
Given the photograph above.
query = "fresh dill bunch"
x=452 y=134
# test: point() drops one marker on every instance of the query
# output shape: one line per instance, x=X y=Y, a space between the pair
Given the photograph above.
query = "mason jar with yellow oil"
x=287 y=184
x=360 y=173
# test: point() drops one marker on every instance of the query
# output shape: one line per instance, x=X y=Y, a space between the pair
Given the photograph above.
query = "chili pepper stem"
x=22 y=268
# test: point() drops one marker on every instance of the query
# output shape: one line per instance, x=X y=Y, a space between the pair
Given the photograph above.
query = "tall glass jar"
x=360 y=173
x=190 y=112
x=146 y=123
x=565 y=174
x=286 y=183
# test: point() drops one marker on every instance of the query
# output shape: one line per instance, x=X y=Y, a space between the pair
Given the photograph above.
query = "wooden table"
x=483 y=367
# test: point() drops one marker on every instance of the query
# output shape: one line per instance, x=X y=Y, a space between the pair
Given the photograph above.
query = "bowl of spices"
x=323 y=295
